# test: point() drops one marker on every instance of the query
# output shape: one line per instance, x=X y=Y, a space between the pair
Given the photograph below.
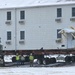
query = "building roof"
x=32 y=3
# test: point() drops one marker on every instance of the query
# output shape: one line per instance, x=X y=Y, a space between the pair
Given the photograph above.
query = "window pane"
x=22 y=35
x=73 y=12
x=9 y=35
x=8 y=15
x=73 y=37
x=58 y=34
x=59 y=12
x=22 y=15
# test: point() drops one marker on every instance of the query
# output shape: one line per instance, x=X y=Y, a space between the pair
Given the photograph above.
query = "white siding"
x=40 y=27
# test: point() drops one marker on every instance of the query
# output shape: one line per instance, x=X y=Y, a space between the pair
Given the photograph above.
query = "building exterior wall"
x=40 y=27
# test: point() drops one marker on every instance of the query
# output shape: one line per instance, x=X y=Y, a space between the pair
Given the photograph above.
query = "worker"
x=17 y=59
x=31 y=58
x=22 y=58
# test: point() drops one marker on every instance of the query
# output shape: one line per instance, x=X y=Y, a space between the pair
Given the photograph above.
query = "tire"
x=40 y=61
x=46 y=61
x=13 y=59
x=52 y=60
x=68 y=59
x=73 y=58
x=27 y=59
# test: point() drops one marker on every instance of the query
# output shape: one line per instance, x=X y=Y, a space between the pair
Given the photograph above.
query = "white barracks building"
x=32 y=24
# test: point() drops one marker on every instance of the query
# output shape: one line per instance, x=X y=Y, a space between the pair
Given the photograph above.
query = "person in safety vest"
x=17 y=59
x=31 y=58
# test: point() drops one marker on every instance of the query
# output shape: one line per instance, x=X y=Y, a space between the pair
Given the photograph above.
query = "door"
x=69 y=40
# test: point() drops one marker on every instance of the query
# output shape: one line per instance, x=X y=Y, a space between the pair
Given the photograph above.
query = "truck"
x=42 y=56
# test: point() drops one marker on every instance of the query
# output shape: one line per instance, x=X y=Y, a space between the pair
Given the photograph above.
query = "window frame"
x=22 y=15
x=73 y=37
x=59 y=35
x=73 y=11
x=22 y=35
x=8 y=15
x=59 y=12
x=8 y=35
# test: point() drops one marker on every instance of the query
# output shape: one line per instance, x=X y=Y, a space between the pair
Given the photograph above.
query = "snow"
x=26 y=70
x=19 y=3
x=37 y=70
x=8 y=58
x=67 y=30
x=30 y=3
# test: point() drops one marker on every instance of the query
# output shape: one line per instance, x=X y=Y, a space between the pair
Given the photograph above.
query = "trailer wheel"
x=13 y=59
x=52 y=60
x=73 y=58
x=68 y=59
x=46 y=61
x=27 y=59
x=40 y=61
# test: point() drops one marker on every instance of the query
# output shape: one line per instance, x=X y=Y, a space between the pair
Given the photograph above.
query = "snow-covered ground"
x=37 y=70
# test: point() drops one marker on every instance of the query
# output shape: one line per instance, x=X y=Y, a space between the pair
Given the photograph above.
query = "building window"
x=73 y=37
x=9 y=35
x=22 y=35
x=58 y=34
x=8 y=15
x=73 y=12
x=59 y=12
x=22 y=14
